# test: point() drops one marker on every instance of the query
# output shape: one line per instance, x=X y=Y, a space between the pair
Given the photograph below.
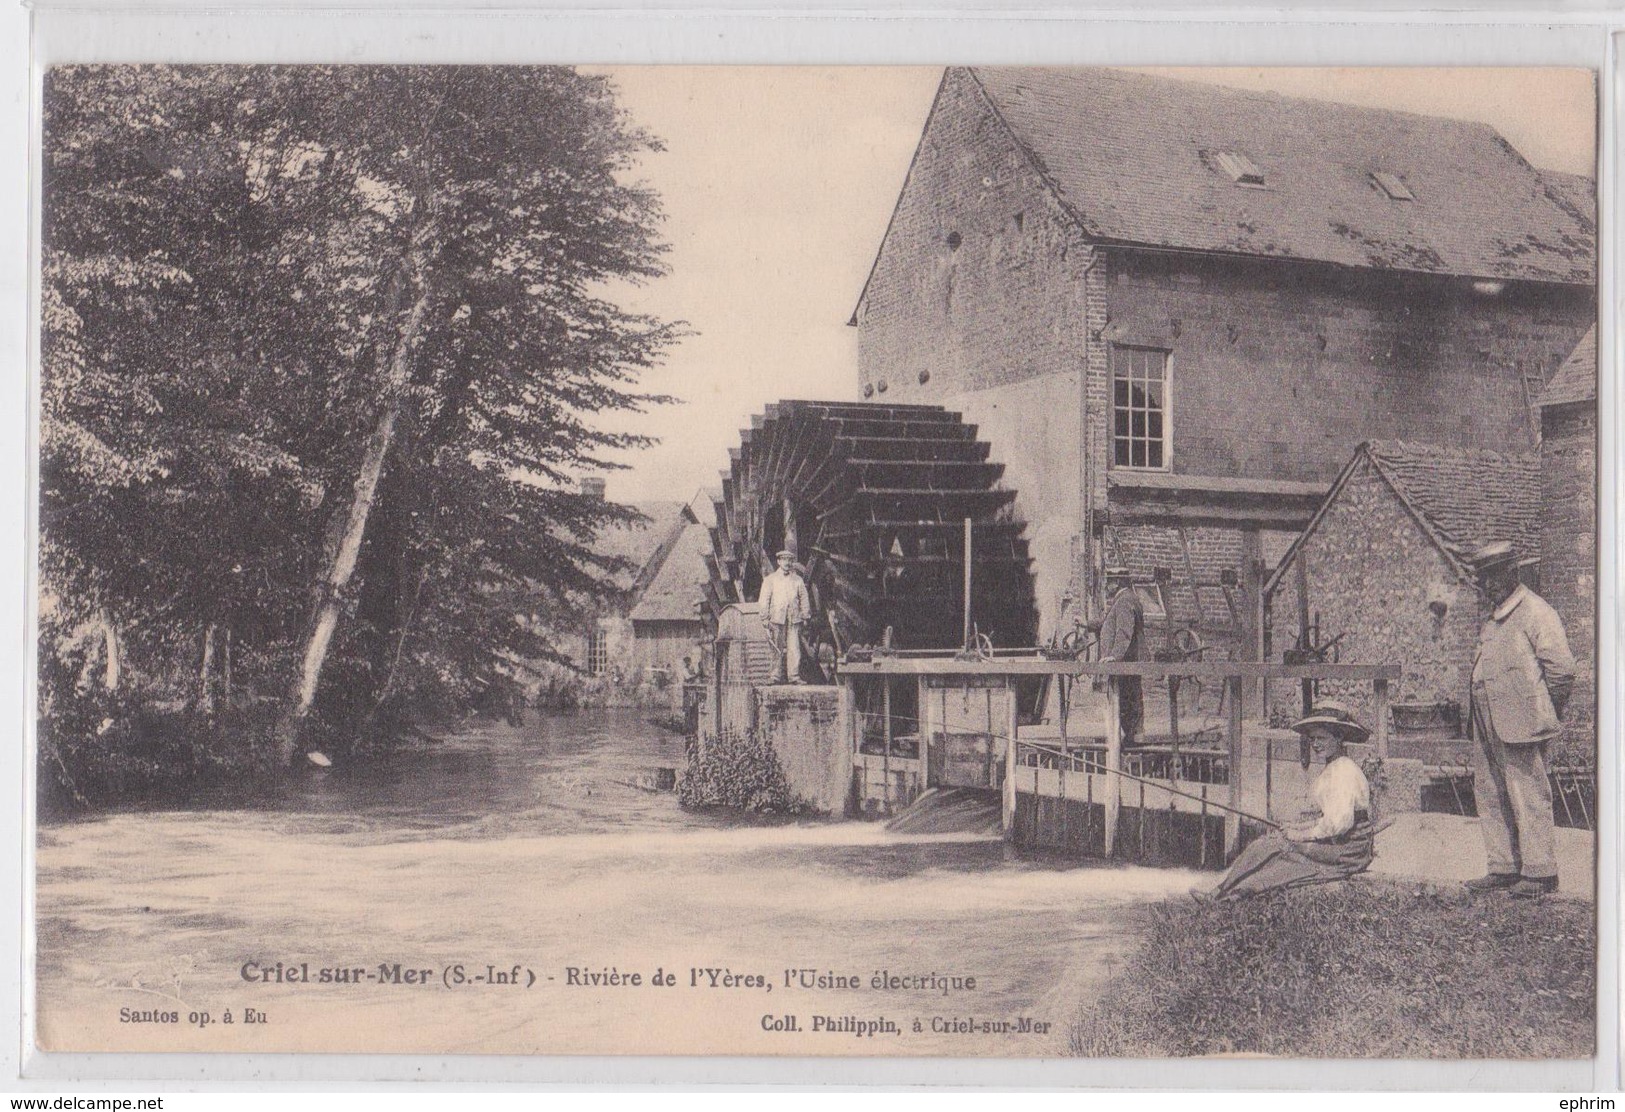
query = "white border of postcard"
x=877 y=35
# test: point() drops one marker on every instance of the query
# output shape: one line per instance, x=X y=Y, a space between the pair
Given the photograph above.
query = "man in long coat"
x=1122 y=635
x=785 y=606
x=1522 y=674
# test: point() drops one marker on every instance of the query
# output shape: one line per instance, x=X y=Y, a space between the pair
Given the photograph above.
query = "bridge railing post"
x=1233 y=743
x=1114 y=764
x=1008 y=794
x=1379 y=711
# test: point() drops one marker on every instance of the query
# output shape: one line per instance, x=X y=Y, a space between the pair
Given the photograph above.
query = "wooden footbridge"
x=917 y=722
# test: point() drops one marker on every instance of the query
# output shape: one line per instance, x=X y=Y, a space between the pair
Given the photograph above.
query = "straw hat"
x=1337 y=717
x=1494 y=555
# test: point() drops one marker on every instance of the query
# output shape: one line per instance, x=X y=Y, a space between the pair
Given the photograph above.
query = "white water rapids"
x=530 y=848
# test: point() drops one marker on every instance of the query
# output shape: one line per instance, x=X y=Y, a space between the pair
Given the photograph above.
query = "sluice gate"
x=951 y=811
x=1071 y=788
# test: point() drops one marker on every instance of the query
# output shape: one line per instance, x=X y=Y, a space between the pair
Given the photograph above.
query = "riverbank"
x=1369 y=969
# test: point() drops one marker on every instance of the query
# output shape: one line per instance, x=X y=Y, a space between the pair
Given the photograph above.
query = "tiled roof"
x=1466 y=497
x=679 y=585
x=639 y=542
x=1576 y=379
x=1575 y=190
x=1137 y=159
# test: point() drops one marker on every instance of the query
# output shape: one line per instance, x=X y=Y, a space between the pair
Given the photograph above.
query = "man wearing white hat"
x=785 y=605
x=1522 y=674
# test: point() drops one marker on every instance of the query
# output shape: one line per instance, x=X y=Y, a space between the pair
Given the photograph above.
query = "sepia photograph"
x=967 y=561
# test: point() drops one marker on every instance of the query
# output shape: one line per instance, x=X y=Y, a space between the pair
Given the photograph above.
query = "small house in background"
x=1568 y=526
x=627 y=656
x=1381 y=573
x=668 y=627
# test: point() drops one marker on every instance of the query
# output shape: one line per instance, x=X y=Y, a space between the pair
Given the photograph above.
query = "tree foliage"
x=260 y=282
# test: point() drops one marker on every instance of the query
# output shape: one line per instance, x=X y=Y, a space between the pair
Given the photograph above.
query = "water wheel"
x=873 y=500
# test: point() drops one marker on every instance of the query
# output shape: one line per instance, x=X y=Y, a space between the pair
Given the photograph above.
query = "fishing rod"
x=1160 y=786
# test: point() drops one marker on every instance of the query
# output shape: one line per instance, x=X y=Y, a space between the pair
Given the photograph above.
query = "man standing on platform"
x=1522 y=674
x=1122 y=633
x=785 y=606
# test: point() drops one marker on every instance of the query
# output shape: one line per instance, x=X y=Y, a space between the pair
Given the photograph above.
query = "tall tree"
x=329 y=341
x=167 y=438
x=507 y=206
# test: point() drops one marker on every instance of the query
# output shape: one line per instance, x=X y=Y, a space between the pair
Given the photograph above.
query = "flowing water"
x=533 y=853
x=558 y=774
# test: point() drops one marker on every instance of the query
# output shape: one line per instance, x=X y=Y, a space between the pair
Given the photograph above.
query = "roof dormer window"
x=1239 y=168
x=1392 y=185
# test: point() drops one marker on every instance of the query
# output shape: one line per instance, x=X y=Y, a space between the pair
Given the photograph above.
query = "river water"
x=557 y=774
x=536 y=849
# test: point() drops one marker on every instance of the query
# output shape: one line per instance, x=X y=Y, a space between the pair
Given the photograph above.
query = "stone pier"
x=802 y=724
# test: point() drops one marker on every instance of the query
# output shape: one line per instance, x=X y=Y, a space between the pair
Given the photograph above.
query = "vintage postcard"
x=962 y=561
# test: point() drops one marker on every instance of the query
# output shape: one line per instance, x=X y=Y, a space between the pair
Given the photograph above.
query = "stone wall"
x=1568 y=556
x=802 y=724
x=1279 y=369
x=976 y=302
x=979 y=280
x=1372 y=573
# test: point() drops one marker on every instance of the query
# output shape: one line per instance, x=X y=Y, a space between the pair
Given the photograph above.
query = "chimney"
x=593 y=488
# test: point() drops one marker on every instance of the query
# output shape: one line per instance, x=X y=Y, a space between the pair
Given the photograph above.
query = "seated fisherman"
x=1331 y=844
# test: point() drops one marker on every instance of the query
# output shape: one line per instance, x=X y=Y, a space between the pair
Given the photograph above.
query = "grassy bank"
x=1369 y=969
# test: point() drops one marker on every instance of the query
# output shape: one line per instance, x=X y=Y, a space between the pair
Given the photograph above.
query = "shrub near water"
x=1362 y=970
x=101 y=750
x=740 y=771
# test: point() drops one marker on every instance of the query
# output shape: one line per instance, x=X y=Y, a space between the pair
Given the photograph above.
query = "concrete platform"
x=1448 y=849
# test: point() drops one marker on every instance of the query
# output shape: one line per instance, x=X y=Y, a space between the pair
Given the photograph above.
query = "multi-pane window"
x=1139 y=407
x=598 y=653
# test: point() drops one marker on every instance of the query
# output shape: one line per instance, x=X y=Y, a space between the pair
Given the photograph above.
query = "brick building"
x=1568 y=524
x=1175 y=309
x=1383 y=565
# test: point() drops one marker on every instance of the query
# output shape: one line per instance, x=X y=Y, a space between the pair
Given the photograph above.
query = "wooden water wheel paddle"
x=873 y=501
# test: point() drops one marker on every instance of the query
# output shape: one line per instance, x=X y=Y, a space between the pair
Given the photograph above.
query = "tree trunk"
x=400 y=649
x=110 y=679
x=341 y=566
x=338 y=576
x=205 y=686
